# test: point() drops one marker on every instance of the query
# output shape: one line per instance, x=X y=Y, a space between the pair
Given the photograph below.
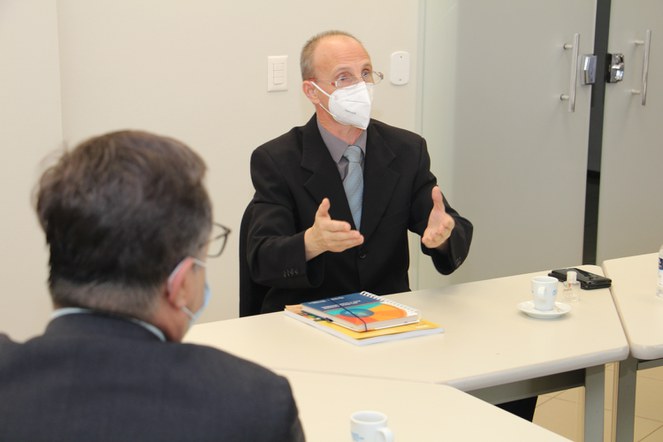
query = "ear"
x=310 y=91
x=177 y=283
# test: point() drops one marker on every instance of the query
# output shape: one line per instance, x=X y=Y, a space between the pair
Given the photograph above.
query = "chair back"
x=251 y=294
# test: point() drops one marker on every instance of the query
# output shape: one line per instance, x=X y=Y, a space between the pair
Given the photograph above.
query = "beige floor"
x=560 y=412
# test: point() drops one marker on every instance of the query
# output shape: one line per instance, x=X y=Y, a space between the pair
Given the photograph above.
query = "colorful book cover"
x=421 y=328
x=362 y=311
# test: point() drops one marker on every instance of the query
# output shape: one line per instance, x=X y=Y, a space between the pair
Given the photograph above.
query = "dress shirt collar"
x=337 y=146
x=85 y=311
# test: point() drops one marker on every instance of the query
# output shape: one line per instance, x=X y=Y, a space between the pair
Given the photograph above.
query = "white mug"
x=370 y=426
x=544 y=291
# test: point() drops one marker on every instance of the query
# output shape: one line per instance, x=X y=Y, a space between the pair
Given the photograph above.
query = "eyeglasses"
x=218 y=240
x=348 y=80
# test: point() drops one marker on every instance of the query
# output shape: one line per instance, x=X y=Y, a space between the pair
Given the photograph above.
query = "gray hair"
x=119 y=212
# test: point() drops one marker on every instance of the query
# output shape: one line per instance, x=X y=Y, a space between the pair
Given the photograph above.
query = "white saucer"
x=560 y=309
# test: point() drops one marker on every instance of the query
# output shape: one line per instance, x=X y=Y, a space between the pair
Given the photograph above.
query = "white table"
x=489 y=348
x=641 y=312
x=415 y=411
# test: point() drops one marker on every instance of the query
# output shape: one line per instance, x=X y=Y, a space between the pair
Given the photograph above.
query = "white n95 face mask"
x=351 y=105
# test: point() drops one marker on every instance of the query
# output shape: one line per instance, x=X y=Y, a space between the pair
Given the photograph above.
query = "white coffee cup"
x=370 y=426
x=544 y=291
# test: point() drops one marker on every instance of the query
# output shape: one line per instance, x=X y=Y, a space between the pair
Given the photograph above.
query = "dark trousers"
x=522 y=407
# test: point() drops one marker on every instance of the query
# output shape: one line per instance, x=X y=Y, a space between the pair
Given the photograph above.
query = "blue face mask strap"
x=193 y=317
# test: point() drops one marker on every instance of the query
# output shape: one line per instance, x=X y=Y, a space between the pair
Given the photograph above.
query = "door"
x=630 y=217
x=509 y=153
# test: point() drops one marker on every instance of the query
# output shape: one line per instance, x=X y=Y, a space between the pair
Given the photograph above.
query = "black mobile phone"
x=587 y=280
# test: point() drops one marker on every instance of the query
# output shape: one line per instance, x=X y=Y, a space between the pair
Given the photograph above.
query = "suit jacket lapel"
x=379 y=181
x=324 y=181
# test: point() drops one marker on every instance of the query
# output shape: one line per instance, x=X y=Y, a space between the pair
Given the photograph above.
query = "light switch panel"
x=277 y=73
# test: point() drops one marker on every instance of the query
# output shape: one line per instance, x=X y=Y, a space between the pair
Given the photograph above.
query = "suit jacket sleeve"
x=275 y=250
x=455 y=250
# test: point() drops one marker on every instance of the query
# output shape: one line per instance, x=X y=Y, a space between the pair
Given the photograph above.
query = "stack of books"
x=363 y=318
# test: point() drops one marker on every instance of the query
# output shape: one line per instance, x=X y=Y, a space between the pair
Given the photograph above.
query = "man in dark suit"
x=128 y=223
x=304 y=241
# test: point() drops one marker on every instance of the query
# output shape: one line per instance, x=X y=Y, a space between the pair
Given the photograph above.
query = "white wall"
x=30 y=127
x=437 y=118
x=194 y=70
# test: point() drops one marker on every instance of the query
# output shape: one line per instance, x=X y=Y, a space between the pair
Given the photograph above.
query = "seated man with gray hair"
x=128 y=222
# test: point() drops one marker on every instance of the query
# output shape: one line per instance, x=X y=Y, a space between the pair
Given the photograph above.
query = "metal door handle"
x=571 y=97
x=645 y=67
x=615 y=68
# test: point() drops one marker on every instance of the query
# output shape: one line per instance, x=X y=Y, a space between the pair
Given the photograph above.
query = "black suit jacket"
x=99 y=378
x=294 y=172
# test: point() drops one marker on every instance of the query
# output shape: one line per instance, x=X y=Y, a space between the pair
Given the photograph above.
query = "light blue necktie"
x=354 y=182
